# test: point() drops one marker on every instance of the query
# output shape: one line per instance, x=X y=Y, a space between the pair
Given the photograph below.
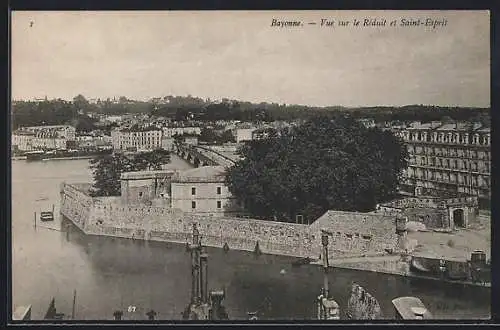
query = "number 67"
x=131 y=309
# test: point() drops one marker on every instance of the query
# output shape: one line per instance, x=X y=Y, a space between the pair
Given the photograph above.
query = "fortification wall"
x=109 y=217
x=431 y=218
x=76 y=205
x=243 y=234
x=412 y=202
x=355 y=234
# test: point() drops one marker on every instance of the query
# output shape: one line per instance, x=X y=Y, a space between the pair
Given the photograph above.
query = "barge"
x=64 y=154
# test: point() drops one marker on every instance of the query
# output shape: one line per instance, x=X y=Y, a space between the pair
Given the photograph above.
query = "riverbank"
x=392 y=265
x=112 y=273
x=107 y=216
x=68 y=158
x=54 y=158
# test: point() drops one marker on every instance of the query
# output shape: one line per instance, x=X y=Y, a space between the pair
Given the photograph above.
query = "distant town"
x=448 y=152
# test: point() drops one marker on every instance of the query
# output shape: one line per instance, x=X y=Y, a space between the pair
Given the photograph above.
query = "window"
x=140 y=194
x=219 y=190
x=193 y=204
x=193 y=191
x=219 y=204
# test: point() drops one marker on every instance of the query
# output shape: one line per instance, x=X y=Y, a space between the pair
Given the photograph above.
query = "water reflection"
x=254 y=283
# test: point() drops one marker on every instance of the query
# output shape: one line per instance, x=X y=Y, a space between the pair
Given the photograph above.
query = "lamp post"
x=324 y=243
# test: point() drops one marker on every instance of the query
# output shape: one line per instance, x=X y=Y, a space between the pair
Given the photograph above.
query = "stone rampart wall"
x=431 y=218
x=76 y=205
x=412 y=202
x=243 y=234
x=111 y=218
x=355 y=234
x=352 y=234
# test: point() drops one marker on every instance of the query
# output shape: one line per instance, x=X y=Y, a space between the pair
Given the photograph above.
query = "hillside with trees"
x=186 y=108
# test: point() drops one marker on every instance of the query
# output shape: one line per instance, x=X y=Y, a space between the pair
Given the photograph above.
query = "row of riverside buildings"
x=444 y=158
x=43 y=137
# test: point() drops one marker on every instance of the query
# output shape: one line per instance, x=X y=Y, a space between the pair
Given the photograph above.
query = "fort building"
x=435 y=212
x=200 y=190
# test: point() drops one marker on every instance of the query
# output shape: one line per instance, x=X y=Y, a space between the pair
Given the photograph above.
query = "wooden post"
x=35 y=221
x=74 y=305
x=52 y=209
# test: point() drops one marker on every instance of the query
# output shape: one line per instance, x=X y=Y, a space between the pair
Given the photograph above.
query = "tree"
x=207 y=135
x=323 y=164
x=227 y=136
x=107 y=169
x=80 y=102
x=153 y=160
x=84 y=124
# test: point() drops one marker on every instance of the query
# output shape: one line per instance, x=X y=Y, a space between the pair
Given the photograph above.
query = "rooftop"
x=217 y=173
x=455 y=126
x=458 y=126
x=140 y=175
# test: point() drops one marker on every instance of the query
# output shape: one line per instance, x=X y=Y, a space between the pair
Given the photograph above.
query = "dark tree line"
x=246 y=111
x=53 y=112
x=323 y=164
x=212 y=136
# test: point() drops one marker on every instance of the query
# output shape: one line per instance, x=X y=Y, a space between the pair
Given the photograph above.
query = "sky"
x=240 y=55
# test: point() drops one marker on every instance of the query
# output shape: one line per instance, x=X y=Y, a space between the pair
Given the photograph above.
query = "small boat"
x=35 y=155
x=41 y=199
x=410 y=308
x=47 y=216
x=418 y=265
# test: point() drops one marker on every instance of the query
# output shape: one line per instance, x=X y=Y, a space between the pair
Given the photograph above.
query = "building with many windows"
x=43 y=137
x=172 y=131
x=136 y=139
x=200 y=190
x=453 y=158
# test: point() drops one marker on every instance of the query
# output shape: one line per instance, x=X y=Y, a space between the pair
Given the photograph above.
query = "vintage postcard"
x=250 y=166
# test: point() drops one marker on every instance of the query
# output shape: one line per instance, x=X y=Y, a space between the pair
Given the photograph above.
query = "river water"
x=110 y=273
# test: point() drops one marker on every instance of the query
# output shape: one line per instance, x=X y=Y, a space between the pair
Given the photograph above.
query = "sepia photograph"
x=250 y=166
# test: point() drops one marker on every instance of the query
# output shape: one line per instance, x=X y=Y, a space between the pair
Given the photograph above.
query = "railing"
x=217 y=153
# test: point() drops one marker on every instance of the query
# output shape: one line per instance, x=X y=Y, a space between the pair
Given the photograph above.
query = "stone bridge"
x=201 y=156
